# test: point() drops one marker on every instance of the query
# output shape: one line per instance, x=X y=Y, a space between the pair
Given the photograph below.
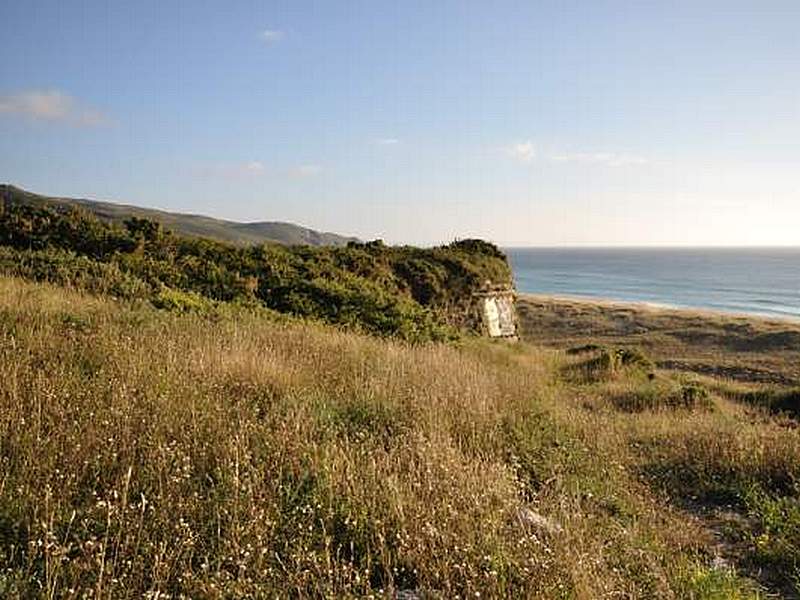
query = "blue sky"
x=527 y=123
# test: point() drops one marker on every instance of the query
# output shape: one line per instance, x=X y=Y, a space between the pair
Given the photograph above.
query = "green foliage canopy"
x=413 y=293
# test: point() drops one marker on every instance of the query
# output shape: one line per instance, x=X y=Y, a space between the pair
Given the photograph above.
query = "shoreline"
x=747 y=348
x=660 y=307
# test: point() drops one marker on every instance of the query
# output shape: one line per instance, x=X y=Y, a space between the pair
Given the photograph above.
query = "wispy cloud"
x=254 y=170
x=50 y=106
x=527 y=152
x=602 y=158
x=524 y=152
x=387 y=141
x=244 y=170
x=254 y=167
x=272 y=36
x=305 y=171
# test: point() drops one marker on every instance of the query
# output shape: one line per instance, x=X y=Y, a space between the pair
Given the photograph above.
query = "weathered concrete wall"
x=498 y=313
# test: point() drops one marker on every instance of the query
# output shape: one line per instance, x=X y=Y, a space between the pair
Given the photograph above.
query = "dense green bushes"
x=414 y=293
x=604 y=363
x=63 y=267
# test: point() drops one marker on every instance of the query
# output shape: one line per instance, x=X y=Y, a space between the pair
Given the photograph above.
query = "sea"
x=758 y=281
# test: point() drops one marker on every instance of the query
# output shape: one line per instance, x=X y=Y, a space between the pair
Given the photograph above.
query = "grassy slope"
x=189 y=225
x=232 y=455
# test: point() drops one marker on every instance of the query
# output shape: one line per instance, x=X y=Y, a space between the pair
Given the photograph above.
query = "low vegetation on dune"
x=729 y=347
x=236 y=452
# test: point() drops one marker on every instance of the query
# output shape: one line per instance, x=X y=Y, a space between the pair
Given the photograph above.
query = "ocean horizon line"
x=650 y=247
x=762 y=281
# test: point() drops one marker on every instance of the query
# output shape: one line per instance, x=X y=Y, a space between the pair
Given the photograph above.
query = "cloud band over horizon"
x=50 y=106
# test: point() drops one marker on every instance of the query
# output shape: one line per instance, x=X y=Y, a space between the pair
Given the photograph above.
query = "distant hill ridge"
x=185 y=224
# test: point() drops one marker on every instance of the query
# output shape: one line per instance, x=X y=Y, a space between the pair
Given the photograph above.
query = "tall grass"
x=154 y=454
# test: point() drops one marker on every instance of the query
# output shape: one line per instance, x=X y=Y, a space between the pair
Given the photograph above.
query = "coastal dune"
x=740 y=347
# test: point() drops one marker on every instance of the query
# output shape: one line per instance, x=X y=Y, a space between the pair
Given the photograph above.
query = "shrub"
x=709 y=583
x=632 y=357
x=693 y=395
x=178 y=301
x=584 y=349
x=607 y=362
x=774 y=400
x=412 y=293
x=65 y=268
x=658 y=394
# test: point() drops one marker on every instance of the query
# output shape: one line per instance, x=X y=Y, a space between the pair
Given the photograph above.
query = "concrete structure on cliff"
x=496 y=307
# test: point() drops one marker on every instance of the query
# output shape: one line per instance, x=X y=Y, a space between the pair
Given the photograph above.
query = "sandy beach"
x=745 y=348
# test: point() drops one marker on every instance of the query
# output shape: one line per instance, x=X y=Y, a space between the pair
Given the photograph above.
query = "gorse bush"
x=413 y=293
x=605 y=363
x=65 y=268
x=179 y=301
x=658 y=394
x=693 y=395
x=776 y=542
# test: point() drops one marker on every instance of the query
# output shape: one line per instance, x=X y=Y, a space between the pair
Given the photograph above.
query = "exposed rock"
x=720 y=564
x=533 y=522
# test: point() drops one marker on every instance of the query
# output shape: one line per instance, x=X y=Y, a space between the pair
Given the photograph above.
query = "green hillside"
x=183 y=224
x=414 y=293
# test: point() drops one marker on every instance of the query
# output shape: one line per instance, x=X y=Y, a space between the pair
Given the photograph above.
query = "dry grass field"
x=232 y=454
